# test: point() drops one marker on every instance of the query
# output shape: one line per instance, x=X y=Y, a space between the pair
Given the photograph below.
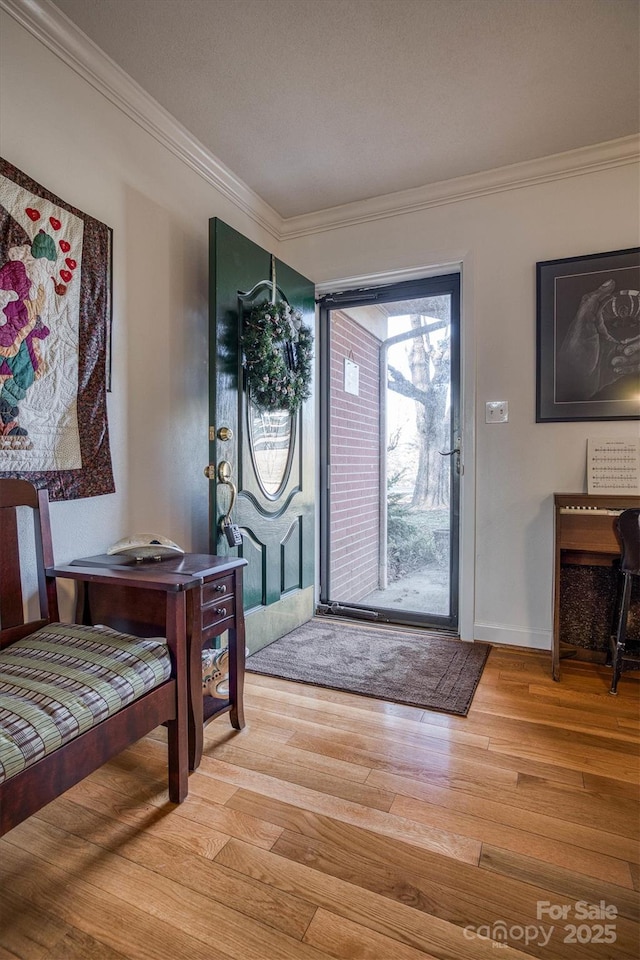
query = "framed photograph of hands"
x=588 y=337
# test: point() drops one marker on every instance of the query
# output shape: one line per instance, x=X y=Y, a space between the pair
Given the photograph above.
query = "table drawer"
x=218 y=590
x=218 y=611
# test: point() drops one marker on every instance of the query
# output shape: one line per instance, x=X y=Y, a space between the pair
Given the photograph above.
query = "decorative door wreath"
x=278 y=351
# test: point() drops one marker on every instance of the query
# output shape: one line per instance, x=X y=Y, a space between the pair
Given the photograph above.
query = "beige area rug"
x=415 y=668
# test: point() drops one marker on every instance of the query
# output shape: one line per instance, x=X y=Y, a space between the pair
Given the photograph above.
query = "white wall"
x=518 y=465
x=69 y=138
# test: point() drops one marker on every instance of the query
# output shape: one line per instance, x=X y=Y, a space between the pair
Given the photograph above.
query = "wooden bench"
x=72 y=696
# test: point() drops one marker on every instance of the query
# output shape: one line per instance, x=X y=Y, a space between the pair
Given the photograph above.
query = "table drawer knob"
x=221 y=611
x=220 y=588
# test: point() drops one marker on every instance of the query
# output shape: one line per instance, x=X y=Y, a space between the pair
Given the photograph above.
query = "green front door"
x=267 y=455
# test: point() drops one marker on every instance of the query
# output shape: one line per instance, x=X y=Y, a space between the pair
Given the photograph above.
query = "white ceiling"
x=315 y=103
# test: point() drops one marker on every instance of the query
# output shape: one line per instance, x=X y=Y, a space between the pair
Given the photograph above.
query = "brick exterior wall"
x=355 y=458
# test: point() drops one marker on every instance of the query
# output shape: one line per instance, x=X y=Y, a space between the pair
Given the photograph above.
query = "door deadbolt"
x=225 y=433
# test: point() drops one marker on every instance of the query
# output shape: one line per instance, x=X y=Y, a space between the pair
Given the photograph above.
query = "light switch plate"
x=496 y=411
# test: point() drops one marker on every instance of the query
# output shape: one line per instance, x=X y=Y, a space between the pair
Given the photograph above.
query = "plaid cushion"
x=63 y=680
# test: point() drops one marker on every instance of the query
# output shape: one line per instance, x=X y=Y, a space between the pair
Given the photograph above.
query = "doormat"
x=416 y=669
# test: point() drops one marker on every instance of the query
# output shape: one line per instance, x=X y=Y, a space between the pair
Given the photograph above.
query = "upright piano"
x=585 y=536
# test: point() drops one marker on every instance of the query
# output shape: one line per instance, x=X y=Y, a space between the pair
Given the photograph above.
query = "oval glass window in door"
x=272 y=434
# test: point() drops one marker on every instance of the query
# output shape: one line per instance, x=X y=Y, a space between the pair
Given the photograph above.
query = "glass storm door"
x=391 y=441
x=267 y=456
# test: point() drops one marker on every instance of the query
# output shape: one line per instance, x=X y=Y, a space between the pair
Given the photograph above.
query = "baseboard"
x=512 y=636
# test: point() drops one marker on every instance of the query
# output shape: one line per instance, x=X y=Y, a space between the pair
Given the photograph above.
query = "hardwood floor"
x=339 y=826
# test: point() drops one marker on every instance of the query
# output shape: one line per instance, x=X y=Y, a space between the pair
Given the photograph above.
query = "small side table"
x=137 y=597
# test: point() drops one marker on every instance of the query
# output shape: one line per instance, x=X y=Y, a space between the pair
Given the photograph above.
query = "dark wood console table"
x=194 y=594
x=584 y=535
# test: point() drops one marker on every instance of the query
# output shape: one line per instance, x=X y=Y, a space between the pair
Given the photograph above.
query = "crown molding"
x=559 y=166
x=51 y=27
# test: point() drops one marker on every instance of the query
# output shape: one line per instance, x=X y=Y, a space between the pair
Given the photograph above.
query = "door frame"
x=461 y=263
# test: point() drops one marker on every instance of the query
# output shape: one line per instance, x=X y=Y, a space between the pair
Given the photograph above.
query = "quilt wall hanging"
x=55 y=307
